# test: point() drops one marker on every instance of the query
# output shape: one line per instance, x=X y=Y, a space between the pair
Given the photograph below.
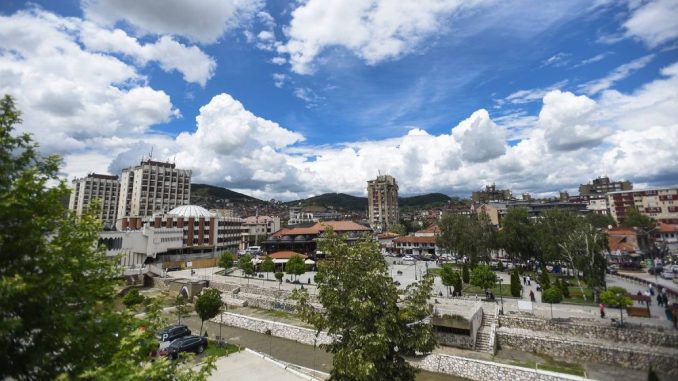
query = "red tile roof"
x=285 y=255
x=413 y=239
x=338 y=226
x=667 y=228
x=431 y=229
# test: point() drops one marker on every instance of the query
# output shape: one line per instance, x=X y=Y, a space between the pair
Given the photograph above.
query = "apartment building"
x=105 y=188
x=382 y=200
x=602 y=186
x=661 y=204
x=491 y=194
x=152 y=187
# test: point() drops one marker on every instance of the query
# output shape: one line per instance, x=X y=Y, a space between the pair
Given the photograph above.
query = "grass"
x=277 y=314
x=470 y=289
x=214 y=349
x=552 y=365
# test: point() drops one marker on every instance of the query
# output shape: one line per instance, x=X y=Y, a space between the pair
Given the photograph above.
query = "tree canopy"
x=517 y=234
x=470 y=236
x=267 y=265
x=483 y=276
x=616 y=296
x=226 y=260
x=245 y=264
x=295 y=265
x=634 y=219
x=208 y=305
x=374 y=327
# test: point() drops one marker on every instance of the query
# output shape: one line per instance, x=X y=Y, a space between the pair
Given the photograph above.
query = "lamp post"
x=501 y=297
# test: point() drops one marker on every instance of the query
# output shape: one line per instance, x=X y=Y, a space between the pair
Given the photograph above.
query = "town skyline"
x=446 y=97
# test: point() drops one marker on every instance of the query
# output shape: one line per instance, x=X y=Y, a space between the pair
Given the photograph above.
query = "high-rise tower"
x=96 y=186
x=382 y=202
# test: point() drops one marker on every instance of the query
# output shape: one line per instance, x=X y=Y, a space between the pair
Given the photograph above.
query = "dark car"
x=612 y=270
x=173 y=332
x=656 y=270
x=195 y=344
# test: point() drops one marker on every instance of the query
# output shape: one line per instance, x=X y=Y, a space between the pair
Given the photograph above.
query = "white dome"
x=188 y=211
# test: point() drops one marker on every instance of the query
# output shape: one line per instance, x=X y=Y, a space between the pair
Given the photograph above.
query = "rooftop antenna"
x=150 y=155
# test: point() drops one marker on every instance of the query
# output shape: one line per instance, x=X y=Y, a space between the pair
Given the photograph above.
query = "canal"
x=287 y=350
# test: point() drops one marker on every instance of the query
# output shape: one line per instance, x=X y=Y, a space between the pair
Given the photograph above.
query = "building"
x=258 y=228
x=491 y=193
x=152 y=187
x=661 y=204
x=105 y=188
x=304 y=240
x=666 y=236
x=382 y=202
x=422 y=243
x=602 y=186
x=204 y=234
x=138 y=247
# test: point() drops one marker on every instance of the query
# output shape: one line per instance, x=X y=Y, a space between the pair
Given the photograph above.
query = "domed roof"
x=188 y=211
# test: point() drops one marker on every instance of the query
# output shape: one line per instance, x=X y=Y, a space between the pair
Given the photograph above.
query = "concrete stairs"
x=485 y=334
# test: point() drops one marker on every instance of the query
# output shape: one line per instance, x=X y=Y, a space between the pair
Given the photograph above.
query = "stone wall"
x=635 y=334
x=637 y=356
x=455 y=340
x=485 y=370
x=285 y=331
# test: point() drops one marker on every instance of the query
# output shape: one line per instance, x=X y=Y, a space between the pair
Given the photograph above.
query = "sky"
x=289 y=99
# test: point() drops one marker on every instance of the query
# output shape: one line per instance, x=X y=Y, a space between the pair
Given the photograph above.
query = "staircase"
x=485 y=335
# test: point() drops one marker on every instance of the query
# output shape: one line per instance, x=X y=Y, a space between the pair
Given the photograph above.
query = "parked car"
x=171 y=333
x=674 y=268
x=655 y=270
x=612 y=270
x=668 y=275
x=195 y=344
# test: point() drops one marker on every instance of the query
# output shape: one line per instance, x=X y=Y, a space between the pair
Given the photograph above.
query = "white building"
x=152 y=187
x=598 y=205
x=137 y=246
x=105 y=188
x=661 y=204
x=382 y=202
x=256 y=229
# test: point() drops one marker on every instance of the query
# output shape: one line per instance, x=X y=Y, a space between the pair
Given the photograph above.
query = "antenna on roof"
x=150 y=155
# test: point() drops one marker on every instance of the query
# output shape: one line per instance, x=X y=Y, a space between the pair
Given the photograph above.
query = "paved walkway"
x=250 y=366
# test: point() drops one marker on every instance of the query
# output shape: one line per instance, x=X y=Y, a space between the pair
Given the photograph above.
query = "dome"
x=188 y=211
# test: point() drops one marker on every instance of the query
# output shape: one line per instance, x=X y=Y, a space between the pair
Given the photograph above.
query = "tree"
x=517 y=236
x=516 y=287
x=447 y=276
x=374 y=327
x=57 y=287
x=226 y=260
x=245 y=264
x=208 y=305
x=565 y=287
x=634 y=219
x=582 y=249
x=600 y=221
x=398 y=229
x=468 y=236
x=132 y=298
x=267 y=265
x=551 y=231
x=456 y=283
x=180 y=305
x=616 y=296
x=295 y=265
x=483 y=276
x=551 y=295
x=464 y=273
x=500 y=266
x=544 y=279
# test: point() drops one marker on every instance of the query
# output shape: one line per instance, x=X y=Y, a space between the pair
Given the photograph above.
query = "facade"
x=382 y=202
x=421 y=243
x=661 y=204
x=304 y=240
x=137 y=247
x=491 y=193
x=152 y=187
x=667 y=235
x=602 y=186
x=96 y=186
x=598 y=205
x=258 y=228
x=202 y=231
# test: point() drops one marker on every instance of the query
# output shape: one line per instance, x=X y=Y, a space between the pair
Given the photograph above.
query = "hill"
x=211 y=196
x=342 y=201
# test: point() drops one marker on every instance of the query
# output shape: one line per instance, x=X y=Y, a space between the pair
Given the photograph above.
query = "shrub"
x=132 y=298
x=516 y=287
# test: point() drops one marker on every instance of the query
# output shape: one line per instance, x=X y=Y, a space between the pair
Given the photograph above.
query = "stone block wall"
x=285 y=331
x=634 y=334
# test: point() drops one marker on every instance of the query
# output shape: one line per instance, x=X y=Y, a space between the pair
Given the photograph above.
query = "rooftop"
x=188 y=211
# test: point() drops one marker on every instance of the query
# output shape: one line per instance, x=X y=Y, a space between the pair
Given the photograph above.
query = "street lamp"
x=501 y=297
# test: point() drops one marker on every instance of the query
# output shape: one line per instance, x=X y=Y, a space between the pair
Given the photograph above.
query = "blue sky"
x=291 y=99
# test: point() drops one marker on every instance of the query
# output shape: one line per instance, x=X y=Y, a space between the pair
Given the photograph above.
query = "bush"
x=132 y=298
x=565 y=287
x=552 y=295
x=279 y=276
x=500 y=266
x=464 y=273
x=516 y=287
x=544 y=279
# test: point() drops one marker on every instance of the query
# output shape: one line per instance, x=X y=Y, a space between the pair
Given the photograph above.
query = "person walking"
x=601 y=306
x=524 y=280
x=660 y=299
x=528 y=280
x=532 y=296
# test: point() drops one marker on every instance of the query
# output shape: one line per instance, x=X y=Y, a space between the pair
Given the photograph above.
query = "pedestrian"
x=532 y=296
x=650 y=289
x=660 y=300
x=601 y=306
x=666 y=299
x=524 y=280
x=528 y=280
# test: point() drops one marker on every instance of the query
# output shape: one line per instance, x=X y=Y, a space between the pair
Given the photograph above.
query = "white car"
x=668 y=275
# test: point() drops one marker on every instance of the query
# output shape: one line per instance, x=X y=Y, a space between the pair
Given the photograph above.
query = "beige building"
x=96 y=186
x=152 y=187
x=603 y=185
x=382 y=202
x=257 y=229
x=661 y=204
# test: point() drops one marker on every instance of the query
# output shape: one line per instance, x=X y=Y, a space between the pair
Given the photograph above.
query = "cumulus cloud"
x=480 y=138
x=190 y=61
x=653 y=22
x=72 y=96
x=200 y=20
x=374 y=30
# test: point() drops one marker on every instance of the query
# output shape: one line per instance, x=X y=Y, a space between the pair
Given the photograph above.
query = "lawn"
x=214 y=349
x=470 y=289
x=552 y=365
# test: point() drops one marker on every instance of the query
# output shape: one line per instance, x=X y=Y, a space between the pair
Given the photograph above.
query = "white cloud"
x=596 y=58
x=480 y=138
x=557 y=60
x=279 y=79
x=71 y=96
x=621 y=72
x=200 y=20
x=653 y=22
x=374 y=30
x=190 y=61
x=530 y=95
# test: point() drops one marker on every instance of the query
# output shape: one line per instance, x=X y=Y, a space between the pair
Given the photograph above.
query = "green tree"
x=295 y=265
x=551 y=231
x=483 y=276
x=616 y=297
x=469 y=236
x=634 y=219
x=374 y=326
x=57 y=287
x=180 y=305
x=500 y=266
x=464 y=273
x=267 y=265
x=515 y=284
x=565 y=287
x=447 y=276
x=517 y=236
x=600 y=221
x=245 y=264
x=208 y=305
x=456 y=283
x=398 y=228
x=226 y=260
x=279 y=276
x=132 y=298
x=582 y=250
x=551 y=295
x=544 y=279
